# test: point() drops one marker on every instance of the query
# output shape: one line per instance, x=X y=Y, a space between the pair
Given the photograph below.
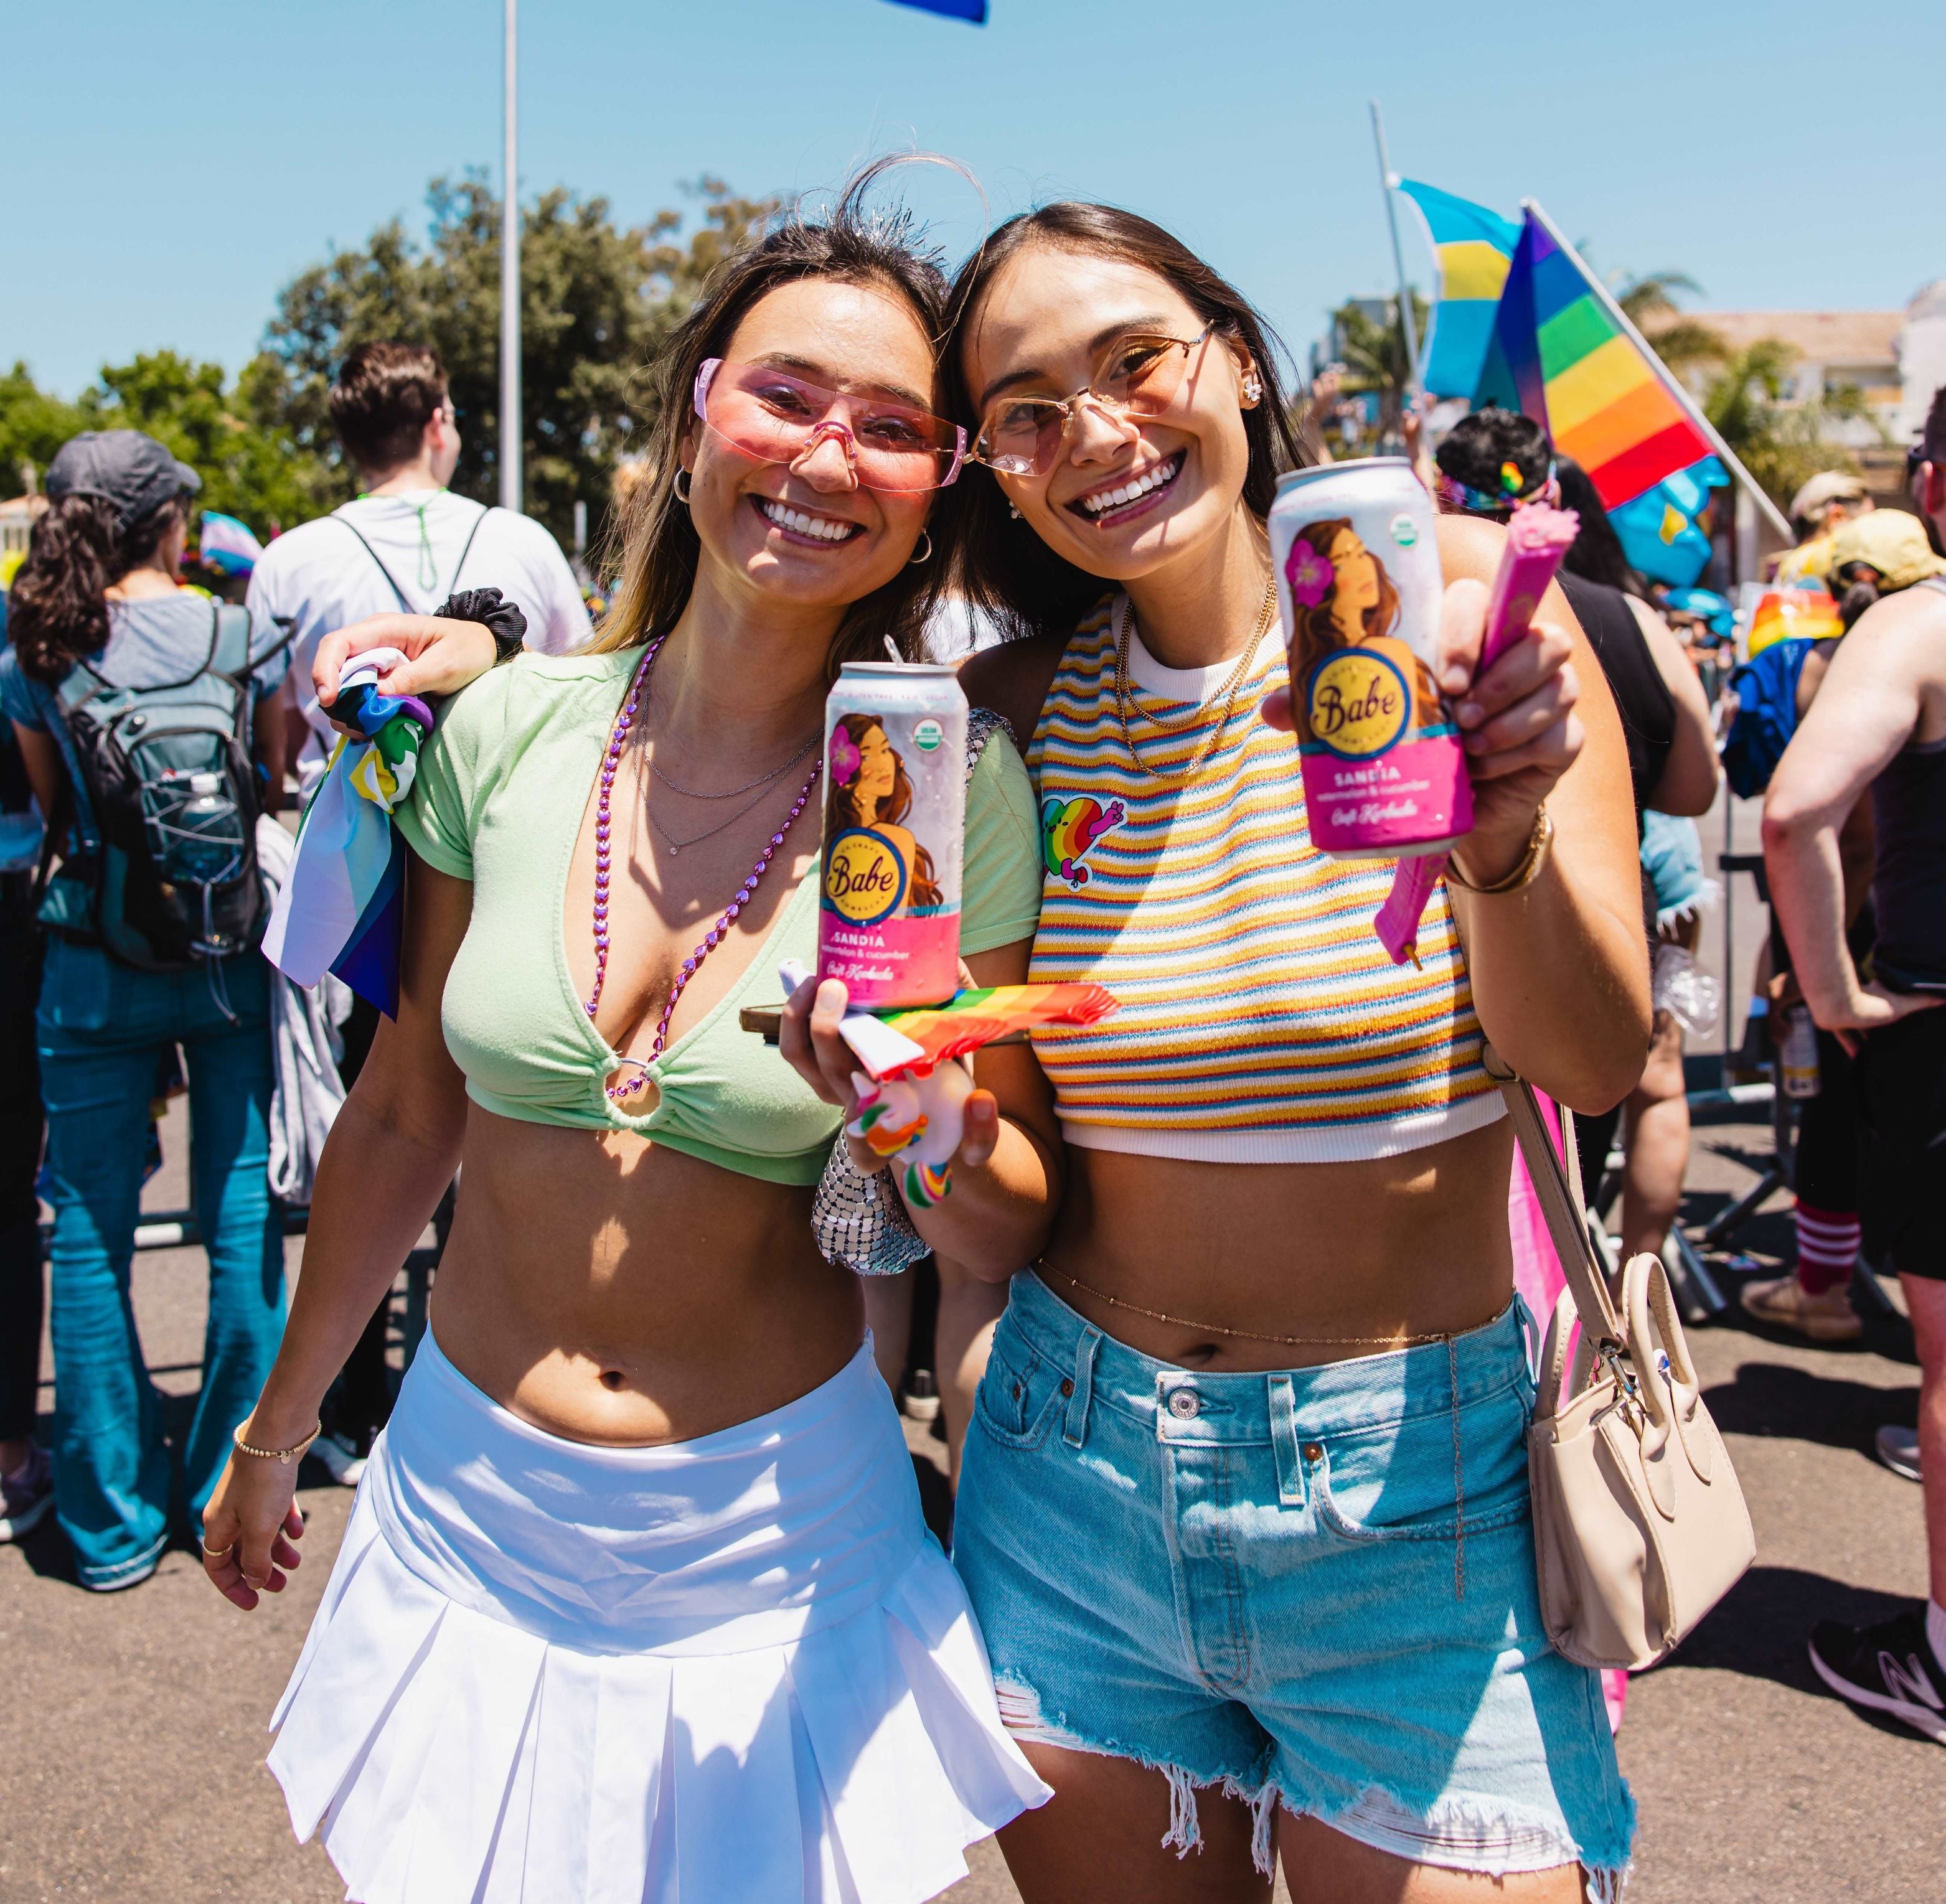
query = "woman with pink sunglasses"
x=636 y=1599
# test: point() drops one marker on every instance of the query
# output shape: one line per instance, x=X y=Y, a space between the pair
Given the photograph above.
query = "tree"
x=248 y=470
x=598 y=304
x=1649 y=301
x=1374 y=354
x=1781 y=443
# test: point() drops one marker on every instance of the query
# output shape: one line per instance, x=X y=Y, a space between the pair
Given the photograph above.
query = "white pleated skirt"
x=731 y=1670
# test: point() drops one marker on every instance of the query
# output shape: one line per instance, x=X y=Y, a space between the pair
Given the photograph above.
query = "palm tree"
x=1649 y=301
x=1781 y=443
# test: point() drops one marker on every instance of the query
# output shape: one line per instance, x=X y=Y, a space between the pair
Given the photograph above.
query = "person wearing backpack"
x=404 y=544
x=134 y=702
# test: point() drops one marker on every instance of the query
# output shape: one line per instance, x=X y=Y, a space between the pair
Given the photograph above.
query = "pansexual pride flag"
x=1557 y=354
x=1475 y=248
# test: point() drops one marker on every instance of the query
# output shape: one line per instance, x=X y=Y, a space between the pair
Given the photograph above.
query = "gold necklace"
x=1124 y=694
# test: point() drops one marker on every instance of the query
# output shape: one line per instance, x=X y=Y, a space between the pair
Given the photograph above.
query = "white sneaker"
x=342 y=1462
x=1898 y=1449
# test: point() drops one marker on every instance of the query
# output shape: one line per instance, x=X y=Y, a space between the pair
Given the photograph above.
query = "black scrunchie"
x=501 y=619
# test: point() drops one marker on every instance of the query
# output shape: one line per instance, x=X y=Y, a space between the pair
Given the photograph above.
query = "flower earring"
x=1253 y=388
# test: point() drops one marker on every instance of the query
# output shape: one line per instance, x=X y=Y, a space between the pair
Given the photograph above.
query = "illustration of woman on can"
x=1343 y=598
x=870 y=796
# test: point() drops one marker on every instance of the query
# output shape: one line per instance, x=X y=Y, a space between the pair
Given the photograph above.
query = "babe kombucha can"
x=895 y=831
x=1359 y=583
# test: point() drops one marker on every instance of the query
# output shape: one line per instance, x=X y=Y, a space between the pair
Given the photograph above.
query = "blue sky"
x=171 y=167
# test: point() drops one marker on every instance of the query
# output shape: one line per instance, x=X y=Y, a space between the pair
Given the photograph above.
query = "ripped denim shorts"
x=1315 y=1589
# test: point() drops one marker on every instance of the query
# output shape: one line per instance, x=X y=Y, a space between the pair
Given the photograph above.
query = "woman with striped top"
x=1245 y=1518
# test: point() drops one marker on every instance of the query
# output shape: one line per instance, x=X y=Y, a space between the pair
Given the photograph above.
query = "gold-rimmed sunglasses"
x=1139 y=375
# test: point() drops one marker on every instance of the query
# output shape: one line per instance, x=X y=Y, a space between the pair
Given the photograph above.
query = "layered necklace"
x=603 y=867
x=1125 y=695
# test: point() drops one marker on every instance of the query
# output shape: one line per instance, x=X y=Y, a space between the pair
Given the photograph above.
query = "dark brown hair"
x=58 y=613
x=384 y=396
x=659 y=548
x=841 y=809
x=1007 y=571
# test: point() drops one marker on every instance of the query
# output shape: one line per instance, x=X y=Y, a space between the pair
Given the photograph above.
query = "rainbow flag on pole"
x=1560 y=353
x=1475 y=248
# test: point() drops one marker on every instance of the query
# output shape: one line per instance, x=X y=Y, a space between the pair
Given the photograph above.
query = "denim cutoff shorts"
x=1314 y=1588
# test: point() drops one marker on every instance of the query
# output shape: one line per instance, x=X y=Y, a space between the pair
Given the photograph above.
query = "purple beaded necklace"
x=716 y=934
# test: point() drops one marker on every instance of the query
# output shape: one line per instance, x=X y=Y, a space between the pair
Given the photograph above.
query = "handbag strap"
x=1558 y=1184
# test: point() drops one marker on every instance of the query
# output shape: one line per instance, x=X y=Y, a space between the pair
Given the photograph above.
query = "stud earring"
x=1253 y=388
x=1013 y=511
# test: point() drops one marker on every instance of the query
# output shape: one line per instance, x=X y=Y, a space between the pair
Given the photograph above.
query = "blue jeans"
x=1314 y=1587
x=101 y=1029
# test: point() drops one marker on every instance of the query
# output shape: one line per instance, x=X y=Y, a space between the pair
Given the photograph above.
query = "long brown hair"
x=659 y=548
x=1318 y=631
x=1007 y=571
x=58 y=612
x=841 y=809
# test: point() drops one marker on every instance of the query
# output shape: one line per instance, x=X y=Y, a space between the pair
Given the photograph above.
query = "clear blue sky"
x=169 y=167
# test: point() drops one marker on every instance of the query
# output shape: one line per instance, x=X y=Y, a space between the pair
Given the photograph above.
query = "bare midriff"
x=612 y=1290
x=1353 y=1258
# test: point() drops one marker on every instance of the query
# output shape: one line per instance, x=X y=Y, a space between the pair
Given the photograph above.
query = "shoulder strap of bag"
x=404 y=606
x=1558 y=1184
x=452 y=587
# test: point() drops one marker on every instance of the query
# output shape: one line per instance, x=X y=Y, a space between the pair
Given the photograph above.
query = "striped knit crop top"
x=1260 y=1021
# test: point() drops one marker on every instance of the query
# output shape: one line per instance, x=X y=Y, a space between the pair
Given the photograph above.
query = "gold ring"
x=217 y=1552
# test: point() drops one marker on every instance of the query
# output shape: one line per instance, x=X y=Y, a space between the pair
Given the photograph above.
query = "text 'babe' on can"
x=894 y=834
x=1359 y=582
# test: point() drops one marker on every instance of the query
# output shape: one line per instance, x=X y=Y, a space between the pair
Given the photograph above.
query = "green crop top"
x=502 y=788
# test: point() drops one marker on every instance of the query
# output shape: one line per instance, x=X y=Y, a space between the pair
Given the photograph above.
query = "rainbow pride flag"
x=1475 y=248
x=1557 y=354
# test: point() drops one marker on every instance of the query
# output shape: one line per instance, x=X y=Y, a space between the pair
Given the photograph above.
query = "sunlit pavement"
x=131 y=1738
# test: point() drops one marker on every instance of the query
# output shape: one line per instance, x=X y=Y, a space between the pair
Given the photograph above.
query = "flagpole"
x=1386 y=183
x=1690 y=407
x=512 y=488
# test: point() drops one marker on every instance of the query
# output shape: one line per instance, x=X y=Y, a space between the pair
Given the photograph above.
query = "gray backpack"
x=172 y=868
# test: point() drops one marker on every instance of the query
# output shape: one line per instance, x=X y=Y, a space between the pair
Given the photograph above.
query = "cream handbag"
x=1639 y=1526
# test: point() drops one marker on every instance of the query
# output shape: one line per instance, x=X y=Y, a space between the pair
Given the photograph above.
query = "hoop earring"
x=681 y=487
x=924 y=554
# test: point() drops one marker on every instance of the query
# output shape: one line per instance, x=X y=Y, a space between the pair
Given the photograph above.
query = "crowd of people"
x=636 y=1587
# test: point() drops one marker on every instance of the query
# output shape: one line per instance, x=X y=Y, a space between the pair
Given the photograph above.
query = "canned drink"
x=894 y=833
x=1359 y=583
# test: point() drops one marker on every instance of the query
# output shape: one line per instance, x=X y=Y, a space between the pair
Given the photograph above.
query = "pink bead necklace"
x=716 y=934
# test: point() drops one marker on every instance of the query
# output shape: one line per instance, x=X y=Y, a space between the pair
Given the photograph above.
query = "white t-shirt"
x=322 y=577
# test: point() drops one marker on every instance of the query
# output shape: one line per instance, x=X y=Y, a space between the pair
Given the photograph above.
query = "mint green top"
x=501 y=787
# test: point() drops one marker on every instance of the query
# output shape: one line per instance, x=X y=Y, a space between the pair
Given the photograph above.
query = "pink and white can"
x=894 y=834
x=1359 y=583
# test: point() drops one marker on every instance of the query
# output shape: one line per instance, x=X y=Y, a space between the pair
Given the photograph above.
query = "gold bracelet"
x=1526 y=870
x=286 y=1456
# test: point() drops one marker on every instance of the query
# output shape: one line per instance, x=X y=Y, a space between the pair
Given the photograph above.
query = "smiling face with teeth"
x=1129 y=495
x=807 y=530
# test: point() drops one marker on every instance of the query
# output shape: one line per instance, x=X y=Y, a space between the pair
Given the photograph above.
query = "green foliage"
x=33 y=425
x=1781 y=443
x=250 y=467
x=1681 y=342
x=598 y=304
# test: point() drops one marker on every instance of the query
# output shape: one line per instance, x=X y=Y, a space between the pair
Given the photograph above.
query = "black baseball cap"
x=124 y=466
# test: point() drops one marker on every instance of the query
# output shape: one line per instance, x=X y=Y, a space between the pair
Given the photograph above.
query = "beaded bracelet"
x=286 y=1456
x=1526 y=869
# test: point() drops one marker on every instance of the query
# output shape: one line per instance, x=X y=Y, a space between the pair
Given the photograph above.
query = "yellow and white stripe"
x=1260 y=1019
